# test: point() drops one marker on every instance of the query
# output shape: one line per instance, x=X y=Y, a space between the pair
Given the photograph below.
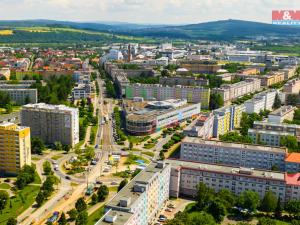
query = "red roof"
x=293 y=179
x=293 y=158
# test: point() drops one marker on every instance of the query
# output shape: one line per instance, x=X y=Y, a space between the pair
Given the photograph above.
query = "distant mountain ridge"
x=216 y=30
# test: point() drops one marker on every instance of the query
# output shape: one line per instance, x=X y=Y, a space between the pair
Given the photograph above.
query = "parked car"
x=68 y=178
x=54 y=217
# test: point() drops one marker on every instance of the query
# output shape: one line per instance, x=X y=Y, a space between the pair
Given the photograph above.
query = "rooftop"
x=293 y=157
x=194 y=140
x=227 y=169
x=282 y=110
x=121 y=217
x=293 y=179
x=49 y=107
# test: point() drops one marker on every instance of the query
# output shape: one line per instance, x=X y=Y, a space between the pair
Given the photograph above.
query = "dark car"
x=68 y=178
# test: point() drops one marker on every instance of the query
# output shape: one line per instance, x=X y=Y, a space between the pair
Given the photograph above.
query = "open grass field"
x=4 y=186
x=6 y=32
x=95 y=216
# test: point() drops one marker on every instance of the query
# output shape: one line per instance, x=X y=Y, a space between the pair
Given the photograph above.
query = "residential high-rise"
x=15 y=148
x=140 y=201
x=52 y=123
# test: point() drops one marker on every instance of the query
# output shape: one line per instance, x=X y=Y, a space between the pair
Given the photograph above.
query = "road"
x=66 y=195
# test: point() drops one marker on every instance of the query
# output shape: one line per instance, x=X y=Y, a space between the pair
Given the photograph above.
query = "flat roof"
x=121 y=217
x=227 y=169
x=127 y=192
x=282 y=110
x=195 y=140
x=293 y=179
x=270 y=132
x=48 y=107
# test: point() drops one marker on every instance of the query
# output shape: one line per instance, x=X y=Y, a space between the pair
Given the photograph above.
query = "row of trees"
x=211 y=207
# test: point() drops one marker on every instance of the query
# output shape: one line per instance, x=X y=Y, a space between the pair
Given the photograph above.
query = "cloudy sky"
x=144 y=11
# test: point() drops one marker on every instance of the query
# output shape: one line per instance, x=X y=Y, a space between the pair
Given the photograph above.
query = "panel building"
x=141 y=200
x=233 y=154
x=160 y=93
x=20 y=93
x=15 y=148
x=52 y=123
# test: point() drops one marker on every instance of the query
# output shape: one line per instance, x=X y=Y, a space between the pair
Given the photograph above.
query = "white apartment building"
x=52 y=123
x=185 y=176
x=202 y=127
x=230 y=92
x=260 y=102
x=82 y=91
x=233 y=154
x=292 y=86
x=141 y=200
x=281 y=114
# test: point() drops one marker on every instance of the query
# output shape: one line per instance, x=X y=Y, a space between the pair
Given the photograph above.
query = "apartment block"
x=230 y=92
x=52 y=123
x=183 y=80
x=227 y=119
x=22 y=96
x=289 y=71
x=281 y=114
x=202 y=127
x=261 y=101
x=82 y=91
x=271 y=133
x=292 y=162
x=292 y=86
x=15 y=148
x=142 y=199
x=272 y=78
x=160 y=93
x=186 y=175
x=233 y=154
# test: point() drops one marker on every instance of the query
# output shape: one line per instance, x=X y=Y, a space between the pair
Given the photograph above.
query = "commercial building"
x=15 y=148
x=227 y=119
x=148 y=117
x=160 y=93
x=292 y=86
x=183 y=80
x=186 y=175
x=196 y=66
x=52 y=123
x=230 y=92
x=271 y=133
x=232 y=154
x=142 y=199
x=281 y=114
x=202 y=127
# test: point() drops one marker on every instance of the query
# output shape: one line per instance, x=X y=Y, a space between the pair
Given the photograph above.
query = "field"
x=95 y=216
x=6 y=32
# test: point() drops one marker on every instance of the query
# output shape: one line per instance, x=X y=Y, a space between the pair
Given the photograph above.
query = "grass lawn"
x=151 y=154
x=132 y=159
x=113 y=189
x=4 y=186
x=37 y=179
x=95 y=216
x=56 y=157
x=137 y=139
x=17 y=206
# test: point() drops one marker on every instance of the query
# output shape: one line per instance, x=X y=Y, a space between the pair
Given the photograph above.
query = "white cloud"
x=144 y=11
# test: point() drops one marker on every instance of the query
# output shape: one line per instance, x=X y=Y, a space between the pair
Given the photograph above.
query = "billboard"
x=286 y=17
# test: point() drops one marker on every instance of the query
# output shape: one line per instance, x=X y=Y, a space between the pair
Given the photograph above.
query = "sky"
x=144 y=11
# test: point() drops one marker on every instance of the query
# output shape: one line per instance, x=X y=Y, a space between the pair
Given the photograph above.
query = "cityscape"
x=161 y=116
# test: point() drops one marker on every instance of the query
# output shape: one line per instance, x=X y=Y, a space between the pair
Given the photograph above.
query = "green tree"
x=277 y=102
x=161 y=155
x=290 y=142
x=266 y=221
x=204 y=195
x=80 y=205
x=216 y=101
x=200 y=218
x=227 y=198
x=278 y=209
x=62 y=220
x=72 y=214
x=293 y=207
x=66 y=148
x=292 y=99
x=102 y=193
x=8 y=108
x=94 y=199
x=82 y=218
x=130 y=145
x=249 y=200
x=40 y=198
x=268 y=203
x=217 y=210
x=89 y=153
x=11 y=221
x=47 y=168
x=58 y=146
x=4 y=196
x=122 y=184
x=27 y=100
x=37 y=145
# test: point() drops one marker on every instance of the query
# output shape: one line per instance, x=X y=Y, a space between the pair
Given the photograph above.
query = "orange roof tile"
x=293 y=157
